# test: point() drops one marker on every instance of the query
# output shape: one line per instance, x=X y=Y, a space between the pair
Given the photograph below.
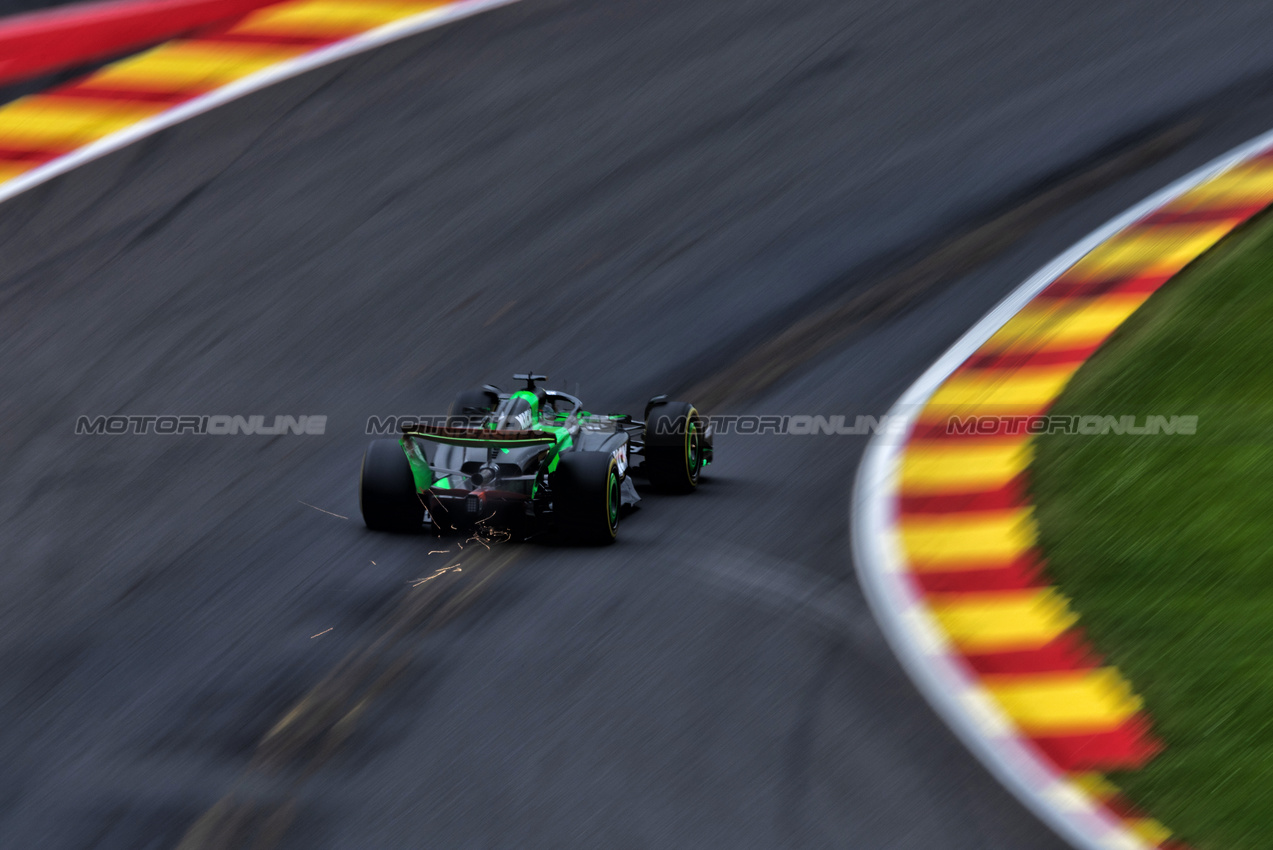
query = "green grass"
x=1165 y=543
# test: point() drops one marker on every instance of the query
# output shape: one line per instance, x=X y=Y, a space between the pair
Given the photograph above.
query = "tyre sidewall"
x=386 y=493
x=670 y=463
x=586 y=496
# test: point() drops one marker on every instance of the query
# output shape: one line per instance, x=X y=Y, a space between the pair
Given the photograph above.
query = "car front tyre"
x=675 y=448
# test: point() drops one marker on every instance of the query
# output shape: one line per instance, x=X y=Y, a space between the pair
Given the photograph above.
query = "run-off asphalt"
x=622 y=196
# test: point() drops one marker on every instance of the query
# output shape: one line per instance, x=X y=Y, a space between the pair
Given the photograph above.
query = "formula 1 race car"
x=528 y=461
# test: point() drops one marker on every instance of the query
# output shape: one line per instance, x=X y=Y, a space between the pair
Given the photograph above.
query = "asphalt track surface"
x=15 y=7
x=622 y=194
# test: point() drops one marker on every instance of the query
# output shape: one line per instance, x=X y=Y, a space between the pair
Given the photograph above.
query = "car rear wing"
x=479 y=438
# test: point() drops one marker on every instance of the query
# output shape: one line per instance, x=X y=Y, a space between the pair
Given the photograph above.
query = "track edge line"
x=312 y=61
x=1072 y=814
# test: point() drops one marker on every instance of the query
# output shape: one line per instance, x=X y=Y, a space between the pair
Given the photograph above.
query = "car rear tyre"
x=586 y=497
x=386 y=490
x=674 y=447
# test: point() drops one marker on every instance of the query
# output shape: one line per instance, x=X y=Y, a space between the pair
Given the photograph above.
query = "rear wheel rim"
x=692 y=451
x=612 y=502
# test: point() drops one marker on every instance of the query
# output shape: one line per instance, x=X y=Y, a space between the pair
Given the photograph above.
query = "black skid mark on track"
x=165 y=218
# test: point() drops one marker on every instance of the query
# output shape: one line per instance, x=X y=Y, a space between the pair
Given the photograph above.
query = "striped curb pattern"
x=44 y=127
x=75 y=34
x=970 y=582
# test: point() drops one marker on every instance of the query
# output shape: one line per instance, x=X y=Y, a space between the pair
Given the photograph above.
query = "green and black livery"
x=529 y=461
